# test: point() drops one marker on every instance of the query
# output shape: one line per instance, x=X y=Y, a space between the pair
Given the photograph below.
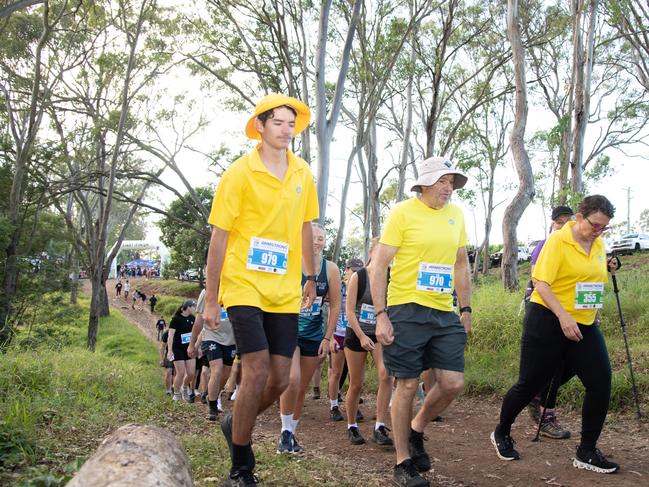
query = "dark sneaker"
x=297 y=448
x=418 y=453
x=240 y=478
x=551 y=428
x=594 y=460
x=359 y=416
x=336 y=415
x=204 y=397
x=226 y=428
x=406 y=475
x=212 y=415
x=355 y=436
x=316 y=393
x=192 y=398
x=504 y=445
x=534 y=409
x=285 y=444
x=381 y=437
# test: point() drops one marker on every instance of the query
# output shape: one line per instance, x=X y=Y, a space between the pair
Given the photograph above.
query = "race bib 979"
x=267 y=255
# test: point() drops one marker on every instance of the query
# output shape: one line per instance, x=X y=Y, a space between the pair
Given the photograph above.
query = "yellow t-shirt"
x=263 y=213
x=563 y=264
x=428 y=241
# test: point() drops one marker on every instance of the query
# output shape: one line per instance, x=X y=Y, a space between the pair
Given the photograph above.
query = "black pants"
x=544 y=348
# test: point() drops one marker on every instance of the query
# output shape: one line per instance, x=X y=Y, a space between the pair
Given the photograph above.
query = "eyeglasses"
x=597 y=228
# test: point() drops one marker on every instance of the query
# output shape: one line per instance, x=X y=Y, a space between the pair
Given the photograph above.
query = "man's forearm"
x=215 y=259
x=378 y=284
x=308 y=259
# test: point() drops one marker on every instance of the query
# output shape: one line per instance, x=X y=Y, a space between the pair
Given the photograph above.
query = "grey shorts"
x=424 y=338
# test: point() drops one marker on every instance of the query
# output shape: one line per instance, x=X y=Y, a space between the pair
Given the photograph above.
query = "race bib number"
x=224 y=314
x=435 y=278
x=266 y=255
x=315 y=308
x=367 y=314
x=589 y=295
x=185 y=338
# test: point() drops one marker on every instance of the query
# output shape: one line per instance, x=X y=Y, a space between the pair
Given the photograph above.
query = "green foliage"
x=185 y=232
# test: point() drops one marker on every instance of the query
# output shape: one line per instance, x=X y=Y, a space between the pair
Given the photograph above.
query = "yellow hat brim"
x=273 y=101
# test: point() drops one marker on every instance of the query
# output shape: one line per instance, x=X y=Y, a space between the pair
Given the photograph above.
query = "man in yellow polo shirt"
x=261 y=217
x=426 y=238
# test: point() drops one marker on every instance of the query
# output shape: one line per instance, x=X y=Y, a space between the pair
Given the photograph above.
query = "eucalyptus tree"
x=39 y=45
x=125 y=53
x=525 y=191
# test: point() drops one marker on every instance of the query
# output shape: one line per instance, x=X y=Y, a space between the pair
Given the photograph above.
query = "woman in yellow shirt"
x=560 y=328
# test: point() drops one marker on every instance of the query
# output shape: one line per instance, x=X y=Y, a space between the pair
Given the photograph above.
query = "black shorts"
x=215 y=351
x=202 y=362
x=308 y=348
x=256 y=330
x=180 y=353
x=353 y=343
x=167 y=364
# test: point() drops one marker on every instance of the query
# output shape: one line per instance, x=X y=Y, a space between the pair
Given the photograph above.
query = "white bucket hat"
x=433 y=168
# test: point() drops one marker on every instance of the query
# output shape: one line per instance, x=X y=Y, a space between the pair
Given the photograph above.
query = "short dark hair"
x=594 y=203
x=271 y=113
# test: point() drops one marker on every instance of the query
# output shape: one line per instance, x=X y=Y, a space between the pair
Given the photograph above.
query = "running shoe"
x=335 y=413
x=355 y=436
x=504 y=445
x=233 y=396
x=185 y=394
x=551 y=428
x=285 y=444
x=316 y=392
x=406 y=475
x=176 y=396
x=204 y=397
x=192 y=398
x=359 y=416
x=418 y=453
x=169 y=392
x=421 y=395
x=534 y=409
x=213 y=411
x=297 y=448
x=381 y=437
x=594 y=460
x=241 y=478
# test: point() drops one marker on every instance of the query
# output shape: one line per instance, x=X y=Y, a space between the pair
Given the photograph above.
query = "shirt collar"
x=256 y=164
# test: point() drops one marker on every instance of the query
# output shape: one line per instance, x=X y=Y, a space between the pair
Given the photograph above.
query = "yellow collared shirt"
x=251 y=202
x=423 y=235
x=563 y=263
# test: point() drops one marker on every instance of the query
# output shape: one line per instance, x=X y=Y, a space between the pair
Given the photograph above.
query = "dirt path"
x=459 y=446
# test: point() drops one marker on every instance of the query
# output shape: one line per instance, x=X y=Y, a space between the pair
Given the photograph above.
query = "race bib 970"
x=266 y=255
x=435 y=278
x=589 y=295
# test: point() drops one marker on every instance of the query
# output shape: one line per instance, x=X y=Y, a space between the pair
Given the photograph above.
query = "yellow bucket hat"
x=275 y=100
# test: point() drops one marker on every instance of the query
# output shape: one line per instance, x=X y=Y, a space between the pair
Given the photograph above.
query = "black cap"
x=354 y=264
x=188 y=303
x=561 y=210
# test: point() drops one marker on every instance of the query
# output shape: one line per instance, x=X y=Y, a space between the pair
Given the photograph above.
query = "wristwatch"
x=313 y=278
x=384 y=310
x=465 y=309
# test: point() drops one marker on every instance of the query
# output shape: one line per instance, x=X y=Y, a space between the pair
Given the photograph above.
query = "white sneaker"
x=176 y=396
x=234 y=394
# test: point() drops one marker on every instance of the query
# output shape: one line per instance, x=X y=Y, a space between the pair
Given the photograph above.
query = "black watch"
x=465 y=309
x=313 y=278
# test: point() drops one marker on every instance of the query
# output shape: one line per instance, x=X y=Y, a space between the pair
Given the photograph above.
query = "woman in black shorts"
x=180 y=333
x=360 y=339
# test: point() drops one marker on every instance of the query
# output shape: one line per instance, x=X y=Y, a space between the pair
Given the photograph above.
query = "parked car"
x=497 y=258
x=631 y=242
x=189 y=275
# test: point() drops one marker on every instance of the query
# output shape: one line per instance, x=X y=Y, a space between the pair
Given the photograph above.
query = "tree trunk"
x=95 y=309
x=525 y=192
x=582 y=71
x=403 y=163
x=146 y=456
x=372 y=169
x=74 y=276
x=343 y=206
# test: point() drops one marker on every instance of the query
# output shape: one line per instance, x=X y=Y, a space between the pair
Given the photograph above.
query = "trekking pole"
x=537 y=437
x=626 y=346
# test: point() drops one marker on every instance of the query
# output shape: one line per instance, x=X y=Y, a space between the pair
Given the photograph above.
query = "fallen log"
x=140 y=455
